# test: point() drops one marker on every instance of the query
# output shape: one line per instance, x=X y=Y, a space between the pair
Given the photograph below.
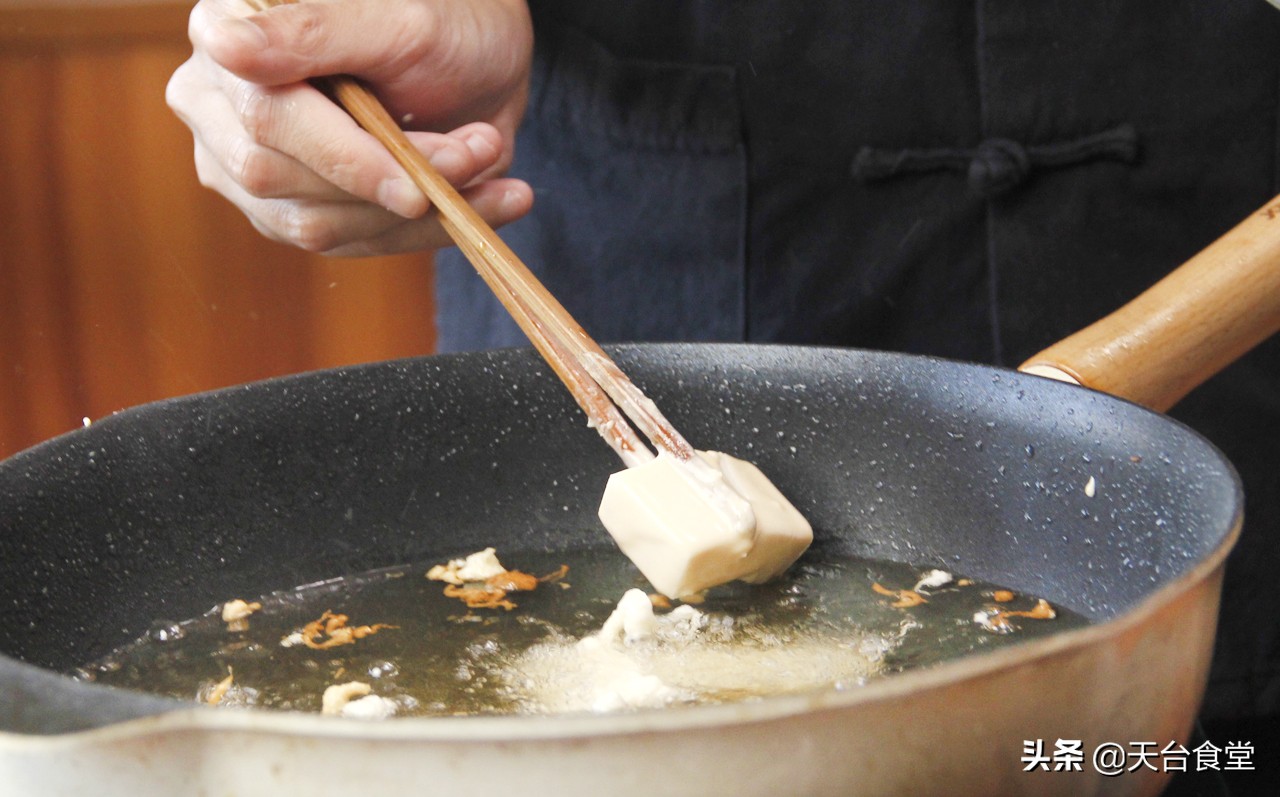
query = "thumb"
x=294 y=41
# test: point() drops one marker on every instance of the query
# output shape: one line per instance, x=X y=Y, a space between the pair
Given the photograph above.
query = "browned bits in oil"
x=220 y=691
x=512 y=581
x=492 y=592
x=659 y=600
x=235 y=614
x=334 y=627
x=555 y=575
x=997 y=619
x=1002 y=596
x=1042 y=611
x=905 y=598
x=479 y=597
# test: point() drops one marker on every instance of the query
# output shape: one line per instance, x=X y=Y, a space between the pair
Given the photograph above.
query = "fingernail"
x=400 y=196
x=244 y=32
x=481 y=146
x=512 y=198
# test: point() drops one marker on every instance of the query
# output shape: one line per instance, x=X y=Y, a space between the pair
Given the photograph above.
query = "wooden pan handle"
x=1186 y=327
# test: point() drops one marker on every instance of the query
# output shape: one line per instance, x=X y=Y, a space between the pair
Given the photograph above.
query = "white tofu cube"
x=689 y=526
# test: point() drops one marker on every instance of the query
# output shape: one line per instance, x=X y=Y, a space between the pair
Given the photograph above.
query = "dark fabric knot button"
x=998 y=165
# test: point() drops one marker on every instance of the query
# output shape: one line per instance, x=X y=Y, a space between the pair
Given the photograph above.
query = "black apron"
x=966 y=179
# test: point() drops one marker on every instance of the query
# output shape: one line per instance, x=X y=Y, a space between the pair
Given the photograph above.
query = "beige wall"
x=122 y=280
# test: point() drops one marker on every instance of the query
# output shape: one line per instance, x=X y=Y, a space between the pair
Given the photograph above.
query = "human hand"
x=454 y=72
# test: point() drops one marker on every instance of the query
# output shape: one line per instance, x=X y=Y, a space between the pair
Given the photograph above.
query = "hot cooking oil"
x=832 y=622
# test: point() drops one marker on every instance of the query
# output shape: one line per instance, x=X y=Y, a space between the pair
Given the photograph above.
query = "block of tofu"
x=691 y=525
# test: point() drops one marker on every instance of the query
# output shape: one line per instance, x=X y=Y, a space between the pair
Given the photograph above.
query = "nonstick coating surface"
x=163 y=511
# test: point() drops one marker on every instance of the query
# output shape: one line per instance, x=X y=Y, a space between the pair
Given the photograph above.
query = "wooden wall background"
x=122 y=280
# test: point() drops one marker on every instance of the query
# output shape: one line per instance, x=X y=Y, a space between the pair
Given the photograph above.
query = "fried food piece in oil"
x=996 y=618
x=905 y=598
x=481 y=582
x=479 y=597
x=332 y=630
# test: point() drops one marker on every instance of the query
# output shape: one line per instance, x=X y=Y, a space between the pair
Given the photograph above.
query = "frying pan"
x=165 y=510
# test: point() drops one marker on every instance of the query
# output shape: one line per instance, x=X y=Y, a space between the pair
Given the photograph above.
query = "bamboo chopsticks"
x=596 y=382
